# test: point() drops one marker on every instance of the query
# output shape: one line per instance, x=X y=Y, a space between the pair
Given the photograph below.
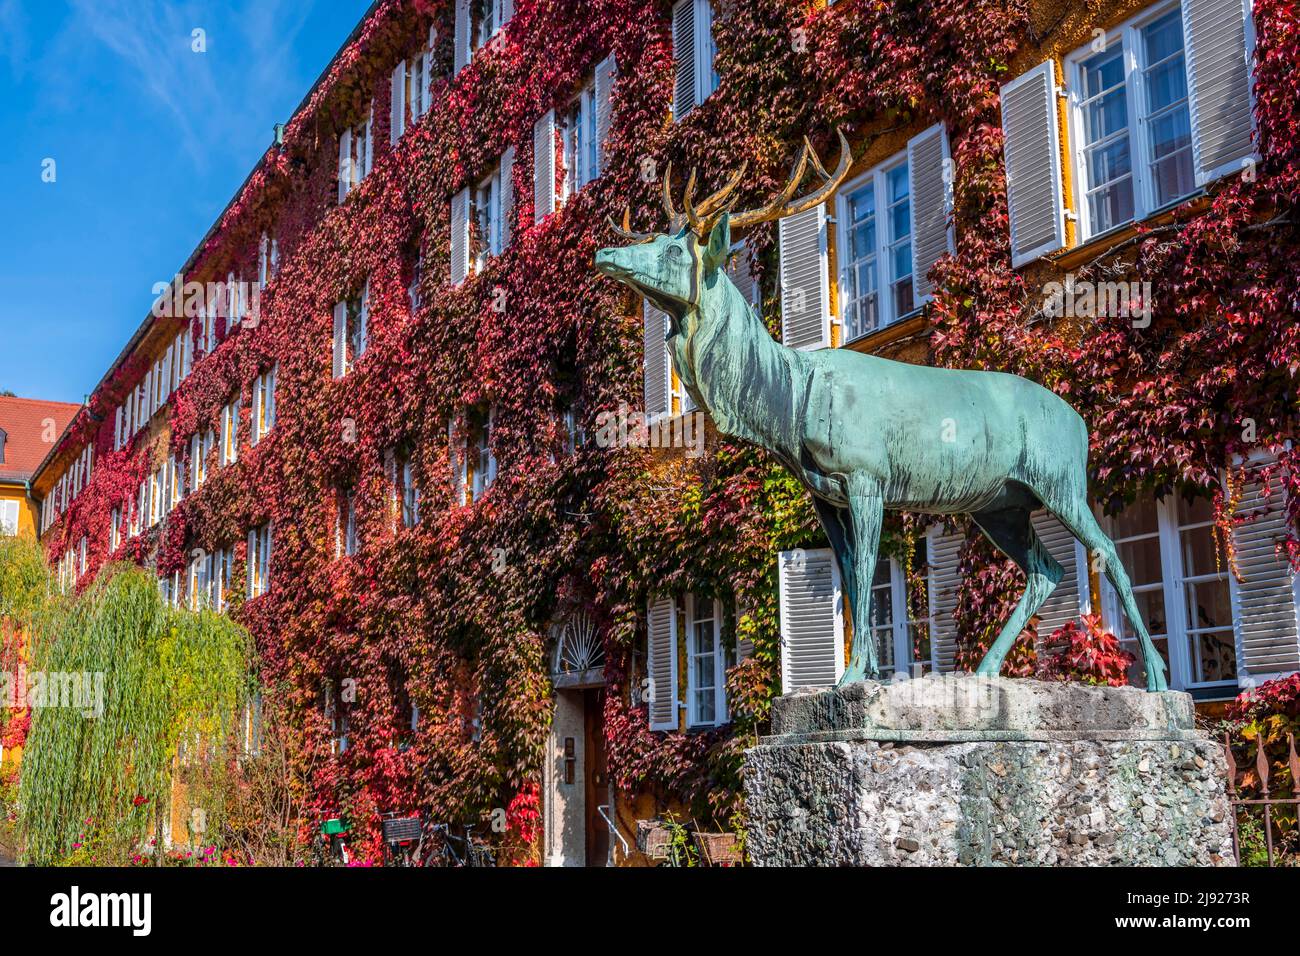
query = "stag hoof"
x=1155 y=672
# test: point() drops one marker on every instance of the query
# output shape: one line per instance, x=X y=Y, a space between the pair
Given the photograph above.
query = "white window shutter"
x=661 y=662
x=943 y=585
x=1265 y=602
x=426 y=80
x=364 y=319
x=805 y=289
x=507 y=196
x=340 y=338
x=345 y=164
x=275 y=257
x=460 y=236
x=1218 y=35
x=657 y=386
x=507 y=11
x=397 y=106
x=1032 y=155
x=684 y=58
x=606 y=73
x=251 y=561
x=544 y=167
x=369 y=158
x=812 y=619
x=929 y=169
x=740 y=270
x=1070 y=597
x=462 y=34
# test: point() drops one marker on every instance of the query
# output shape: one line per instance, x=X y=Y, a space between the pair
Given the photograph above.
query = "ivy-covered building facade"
x=495 y=558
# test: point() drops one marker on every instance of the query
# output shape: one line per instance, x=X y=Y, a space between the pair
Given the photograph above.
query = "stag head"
x=671 y=269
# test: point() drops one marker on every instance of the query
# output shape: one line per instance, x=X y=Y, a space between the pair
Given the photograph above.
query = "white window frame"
x=264 y=403
x=485 y=202
x=485 y=464
x=877 y=177
x=580 y=135
x=694 y=718
x=487 y=17
x=1129 y=33
x=9 y=518
x=259 y=561
x=230 y=433
x=1172 y=579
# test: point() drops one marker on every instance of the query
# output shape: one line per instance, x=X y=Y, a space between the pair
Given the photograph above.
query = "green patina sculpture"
x=866 y=434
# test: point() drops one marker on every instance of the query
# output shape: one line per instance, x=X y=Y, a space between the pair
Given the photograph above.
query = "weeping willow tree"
x=122 y=681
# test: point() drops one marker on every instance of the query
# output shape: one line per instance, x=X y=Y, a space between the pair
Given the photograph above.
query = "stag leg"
x=866 y=513
x=1083 y=525
x=1012 y=533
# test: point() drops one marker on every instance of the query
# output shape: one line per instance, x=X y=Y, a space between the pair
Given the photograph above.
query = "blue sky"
x=150 y=140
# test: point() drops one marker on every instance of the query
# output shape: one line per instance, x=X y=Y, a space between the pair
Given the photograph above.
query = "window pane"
x=1111 y=206
x=1208 y=605
x=1139 y=518
x=1141 y=559
x=1213 y=657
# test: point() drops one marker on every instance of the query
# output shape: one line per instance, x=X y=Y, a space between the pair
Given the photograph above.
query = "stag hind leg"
x=1012 y=533
x=854 y=534
x=1078 y=518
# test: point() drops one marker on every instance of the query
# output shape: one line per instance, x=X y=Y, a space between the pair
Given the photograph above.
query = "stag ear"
x=719 y=247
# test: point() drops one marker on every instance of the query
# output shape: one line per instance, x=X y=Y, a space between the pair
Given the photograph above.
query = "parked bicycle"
x=403 y=840
x=449 y=849
x=330 y=845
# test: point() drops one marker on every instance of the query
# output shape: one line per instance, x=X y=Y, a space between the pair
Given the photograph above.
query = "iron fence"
x=1240 y=805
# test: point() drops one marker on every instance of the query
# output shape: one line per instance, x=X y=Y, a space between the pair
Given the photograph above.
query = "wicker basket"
x=718 y=849
x=653 y=839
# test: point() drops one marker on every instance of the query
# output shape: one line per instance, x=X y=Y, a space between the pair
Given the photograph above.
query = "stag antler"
x=704 y=217
x=626 y=230
x=783 y=206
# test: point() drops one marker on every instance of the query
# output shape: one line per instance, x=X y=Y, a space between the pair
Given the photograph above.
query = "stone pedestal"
x=964 y=770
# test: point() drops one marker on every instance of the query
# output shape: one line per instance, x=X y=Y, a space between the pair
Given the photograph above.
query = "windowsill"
x=907 y=326
x=1213 y=692
x=1101 y=243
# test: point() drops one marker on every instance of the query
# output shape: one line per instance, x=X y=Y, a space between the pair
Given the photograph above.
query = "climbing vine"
x=453 y=616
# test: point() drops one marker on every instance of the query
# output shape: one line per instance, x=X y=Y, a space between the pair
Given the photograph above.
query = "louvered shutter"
x=251 y=560
x=369 y=158
x=1264 y=602
x=929 y=172
x=544 y=167
x=460 y=236
x=340 y=338
x=1069 y=599
x=507 y=196
x=426 y=80
x=657 y=386
x=275 y=257
x=944 y=584
x=740 y=269
x=364 y=320
x=812 y=619
x=345 y=164
x=462 y=34
x=1218 y=37
x=684 y=58
x=397 y=106
x=1032 y=154
x=117 y=430
x=507 y=11
x=805 y=292
x=661 y=662
x=606 y=73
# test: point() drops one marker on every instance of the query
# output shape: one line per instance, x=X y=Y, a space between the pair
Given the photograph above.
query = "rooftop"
x=31 y=427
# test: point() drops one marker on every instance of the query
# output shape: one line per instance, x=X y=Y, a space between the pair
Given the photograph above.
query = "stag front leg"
x=866 y=512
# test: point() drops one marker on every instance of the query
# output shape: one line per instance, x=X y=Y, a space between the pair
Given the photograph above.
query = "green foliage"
x=148 y=677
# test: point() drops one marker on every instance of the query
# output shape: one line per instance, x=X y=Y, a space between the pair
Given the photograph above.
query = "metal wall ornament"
x=866 y=434
x=578 y=646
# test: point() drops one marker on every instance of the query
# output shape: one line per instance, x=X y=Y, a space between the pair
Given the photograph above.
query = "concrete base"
x=961 y=770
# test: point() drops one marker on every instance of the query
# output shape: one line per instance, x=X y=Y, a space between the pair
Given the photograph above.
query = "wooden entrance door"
x=596 y=785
